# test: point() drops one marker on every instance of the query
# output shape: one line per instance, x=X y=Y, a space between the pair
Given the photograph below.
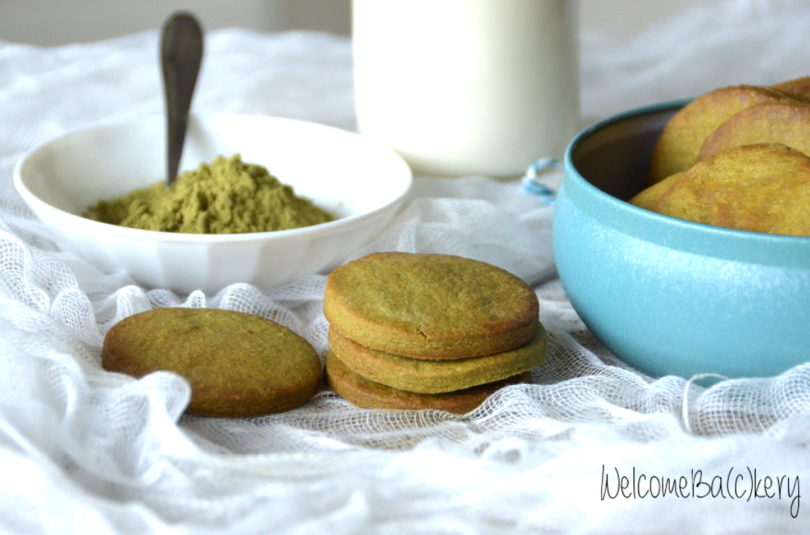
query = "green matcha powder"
x=226 y=196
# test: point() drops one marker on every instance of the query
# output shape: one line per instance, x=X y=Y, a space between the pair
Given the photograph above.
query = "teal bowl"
x=670 y=296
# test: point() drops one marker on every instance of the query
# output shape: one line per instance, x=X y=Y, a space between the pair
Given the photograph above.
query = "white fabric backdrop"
x=86 y=451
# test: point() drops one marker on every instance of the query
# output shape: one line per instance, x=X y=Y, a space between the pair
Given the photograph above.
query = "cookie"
x=237 y=364
x=430 y=377
x=682 y=137
x=430 y=306
x=786 y=123
x=796 y=88
x=364 y=393
x=758 y=188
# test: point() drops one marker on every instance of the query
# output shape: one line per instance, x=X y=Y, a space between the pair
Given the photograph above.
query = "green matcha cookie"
x=429 y=377
x=430 y=306
x=237 y=364
x=364 y=393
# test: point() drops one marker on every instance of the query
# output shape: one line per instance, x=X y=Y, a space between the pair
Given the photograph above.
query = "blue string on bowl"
x=531 y=184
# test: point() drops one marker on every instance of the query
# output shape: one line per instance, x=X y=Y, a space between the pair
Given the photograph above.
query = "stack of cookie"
x=413 y=331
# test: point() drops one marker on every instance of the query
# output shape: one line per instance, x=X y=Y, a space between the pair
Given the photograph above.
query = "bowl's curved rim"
x=311 y=231
x=660 y=219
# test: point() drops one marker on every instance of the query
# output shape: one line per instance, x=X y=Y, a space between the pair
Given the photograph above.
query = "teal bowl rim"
x=660 y=220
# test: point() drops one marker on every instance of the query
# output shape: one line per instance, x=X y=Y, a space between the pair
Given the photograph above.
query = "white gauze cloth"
x=87 y=451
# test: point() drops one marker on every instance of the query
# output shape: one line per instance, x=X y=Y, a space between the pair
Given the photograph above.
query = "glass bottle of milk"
x=462 y=87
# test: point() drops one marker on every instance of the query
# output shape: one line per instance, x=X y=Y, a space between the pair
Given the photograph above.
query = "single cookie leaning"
x=786 y=123
x=365 y=393
x=431 y=377
x=430 y=306
x=237 y=364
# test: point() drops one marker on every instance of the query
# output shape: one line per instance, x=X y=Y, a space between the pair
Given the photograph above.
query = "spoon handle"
x=181 y=50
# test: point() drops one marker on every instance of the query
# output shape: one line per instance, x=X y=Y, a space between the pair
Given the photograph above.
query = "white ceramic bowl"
x=361 y=182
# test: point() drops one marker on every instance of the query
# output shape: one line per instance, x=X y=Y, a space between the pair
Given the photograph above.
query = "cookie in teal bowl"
x=670 y=296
